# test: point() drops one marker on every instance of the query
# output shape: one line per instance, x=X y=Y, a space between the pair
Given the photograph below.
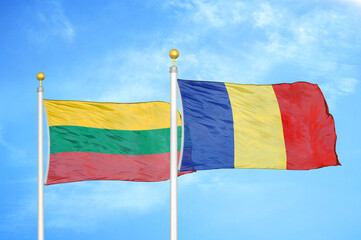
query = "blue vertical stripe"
x=208 y=126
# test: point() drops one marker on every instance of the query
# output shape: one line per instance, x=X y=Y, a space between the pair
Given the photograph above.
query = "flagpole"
x=40 y=76
x=173 y=148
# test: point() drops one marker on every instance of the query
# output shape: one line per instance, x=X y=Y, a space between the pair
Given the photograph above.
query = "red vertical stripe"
x=308 y=127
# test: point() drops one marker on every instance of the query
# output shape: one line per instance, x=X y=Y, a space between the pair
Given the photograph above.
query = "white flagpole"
x=40 y=76
x=173 y=148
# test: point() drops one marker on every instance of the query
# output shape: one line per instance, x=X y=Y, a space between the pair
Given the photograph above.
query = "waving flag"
x=282 y=126
x=108 y=141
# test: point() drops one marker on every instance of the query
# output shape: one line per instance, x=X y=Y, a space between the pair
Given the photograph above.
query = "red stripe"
x=81 y=166
x=308 y=127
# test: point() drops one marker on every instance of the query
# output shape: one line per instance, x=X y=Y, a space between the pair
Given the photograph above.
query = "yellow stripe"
x=121 y=116
x=258 y=132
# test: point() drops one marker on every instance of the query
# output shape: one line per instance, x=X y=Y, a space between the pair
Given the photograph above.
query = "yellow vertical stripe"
x=258 y=132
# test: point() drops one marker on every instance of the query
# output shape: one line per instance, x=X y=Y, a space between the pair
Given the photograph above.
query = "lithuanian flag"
x=108 y=141
x=282 y=126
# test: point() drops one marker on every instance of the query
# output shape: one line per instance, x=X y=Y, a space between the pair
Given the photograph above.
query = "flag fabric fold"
x=108 y=141
x=281 y=126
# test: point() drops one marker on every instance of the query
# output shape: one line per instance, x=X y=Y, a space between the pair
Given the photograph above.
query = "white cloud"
x=135 y=75
x=52 y=22
x=313 y=44
x=211 y=13
x=307 y=41
x=83 y=205
x=348 y=85
x=14 y=152
x=267 y=16
x=336 y=88
x=232 y=42
x=352 y=2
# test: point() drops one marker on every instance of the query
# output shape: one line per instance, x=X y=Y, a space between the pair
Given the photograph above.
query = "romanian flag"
x=108 y=141
x=282 y=126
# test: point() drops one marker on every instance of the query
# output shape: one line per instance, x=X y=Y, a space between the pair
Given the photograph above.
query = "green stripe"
x=97 y=140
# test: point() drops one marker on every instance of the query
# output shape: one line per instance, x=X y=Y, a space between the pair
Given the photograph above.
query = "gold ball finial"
x=173 y=54
x=40 y=76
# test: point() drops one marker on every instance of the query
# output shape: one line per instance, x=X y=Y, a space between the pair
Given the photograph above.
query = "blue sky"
x=118 y=51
